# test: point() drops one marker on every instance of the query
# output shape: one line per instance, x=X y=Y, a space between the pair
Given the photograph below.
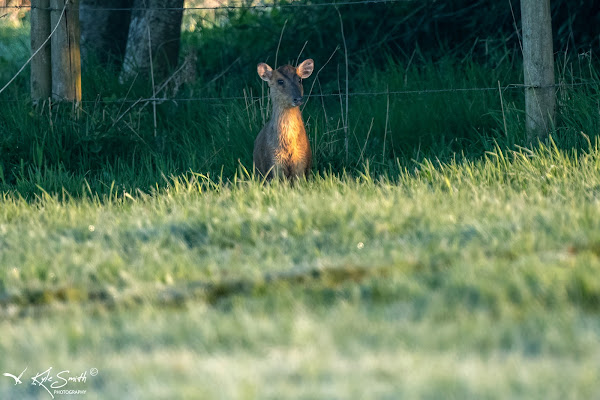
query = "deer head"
x=285 y=82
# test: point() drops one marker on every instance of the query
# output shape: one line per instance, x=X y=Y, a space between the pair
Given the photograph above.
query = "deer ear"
x=264 y=71
x=305 y=69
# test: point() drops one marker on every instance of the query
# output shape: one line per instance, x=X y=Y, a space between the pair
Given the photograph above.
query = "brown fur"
x=281 y=149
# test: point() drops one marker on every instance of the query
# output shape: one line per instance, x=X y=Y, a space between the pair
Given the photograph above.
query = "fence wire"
x=513 y=86
x=224 y=99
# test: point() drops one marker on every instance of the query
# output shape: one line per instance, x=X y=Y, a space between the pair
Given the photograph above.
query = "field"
x=473 y=280
x=441 y=256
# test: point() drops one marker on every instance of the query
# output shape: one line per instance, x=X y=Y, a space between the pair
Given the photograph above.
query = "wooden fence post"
x=66 y=58
x=41 y=73
x=538 y=66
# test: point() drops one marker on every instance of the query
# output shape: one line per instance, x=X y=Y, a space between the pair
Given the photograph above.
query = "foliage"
x=482 y=30
x=115 y=141
x=14 y=50
x=113 y=138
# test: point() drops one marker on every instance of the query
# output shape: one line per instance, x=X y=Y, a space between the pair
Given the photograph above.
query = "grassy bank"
x=469 y=280
x=442 y=107
x=114 y=145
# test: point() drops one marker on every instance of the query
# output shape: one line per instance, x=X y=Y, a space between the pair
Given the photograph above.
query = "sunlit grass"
x=467 y=279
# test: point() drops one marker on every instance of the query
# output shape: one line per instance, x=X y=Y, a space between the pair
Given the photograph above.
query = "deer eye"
x=280 y=81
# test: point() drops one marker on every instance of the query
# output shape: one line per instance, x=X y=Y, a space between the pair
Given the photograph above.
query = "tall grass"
x=52 y=149
x=110 y=142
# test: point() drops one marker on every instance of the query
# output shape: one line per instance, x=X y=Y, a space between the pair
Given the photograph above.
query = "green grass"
x=438 y=259
x=110 y=144
x=465 y=280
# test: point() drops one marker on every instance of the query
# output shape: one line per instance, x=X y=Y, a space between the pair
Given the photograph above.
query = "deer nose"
x=298 y=100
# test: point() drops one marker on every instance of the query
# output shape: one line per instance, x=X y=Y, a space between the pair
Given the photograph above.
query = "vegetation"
x=115 y=136
x=440 y=257
x=470 y=280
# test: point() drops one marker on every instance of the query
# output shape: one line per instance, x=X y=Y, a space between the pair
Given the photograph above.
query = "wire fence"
x=223 y=99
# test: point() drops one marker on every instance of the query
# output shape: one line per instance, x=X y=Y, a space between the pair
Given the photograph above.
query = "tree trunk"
x=104 y=32
x=538 y=66
x=66 y=59
x=41 y=73
x=156 y=30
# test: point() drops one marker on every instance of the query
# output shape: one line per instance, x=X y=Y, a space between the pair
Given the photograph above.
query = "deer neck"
x=287 y=123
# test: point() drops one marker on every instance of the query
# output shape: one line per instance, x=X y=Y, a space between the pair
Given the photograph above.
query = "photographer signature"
x=47 y=380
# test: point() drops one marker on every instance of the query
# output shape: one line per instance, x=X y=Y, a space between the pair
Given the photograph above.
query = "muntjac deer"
x=281 y=149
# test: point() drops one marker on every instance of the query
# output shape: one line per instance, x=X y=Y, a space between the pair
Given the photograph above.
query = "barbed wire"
x=226 y=7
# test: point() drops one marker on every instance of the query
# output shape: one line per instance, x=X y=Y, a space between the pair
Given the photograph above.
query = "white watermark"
x=65 y=382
